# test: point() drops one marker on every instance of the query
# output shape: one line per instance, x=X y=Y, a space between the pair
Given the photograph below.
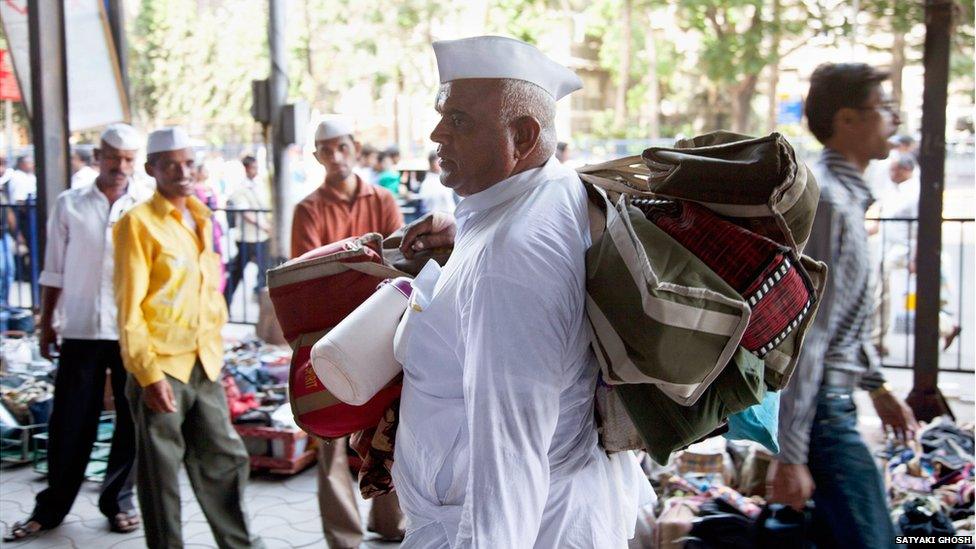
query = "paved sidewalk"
x=284 y=512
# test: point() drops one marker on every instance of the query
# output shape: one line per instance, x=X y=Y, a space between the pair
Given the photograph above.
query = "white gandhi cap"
x=332 y=127
x=121 y=136
x=168 y=139
x=499 y=57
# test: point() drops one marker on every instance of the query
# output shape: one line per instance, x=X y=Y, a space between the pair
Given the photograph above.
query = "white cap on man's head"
x=500 y=57
x=332 y=127
x=121 y=136
x=168 y=139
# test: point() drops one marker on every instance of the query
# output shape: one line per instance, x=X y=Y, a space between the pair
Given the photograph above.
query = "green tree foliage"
x=192 y=63
x=674 y=65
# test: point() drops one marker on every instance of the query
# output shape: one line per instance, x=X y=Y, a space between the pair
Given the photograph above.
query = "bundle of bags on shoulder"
x=698 y=299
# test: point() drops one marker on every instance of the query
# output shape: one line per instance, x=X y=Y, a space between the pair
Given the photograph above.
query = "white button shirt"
x=78 y=259
x=497 y=443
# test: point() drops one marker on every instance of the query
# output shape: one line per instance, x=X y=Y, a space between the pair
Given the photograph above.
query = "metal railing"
x=895 y=246
x=20 y=258
x=242 y=235
x=243 y=239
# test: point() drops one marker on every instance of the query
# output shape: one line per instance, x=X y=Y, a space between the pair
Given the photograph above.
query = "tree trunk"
x=652 y=107
x=620 y=105
x=742 y=103
x=773 y=111
x=897 y=66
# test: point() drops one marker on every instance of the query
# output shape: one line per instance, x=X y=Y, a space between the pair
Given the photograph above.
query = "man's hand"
x=789 y=484
x=48 y=342
x=434 y=230
x=895 y=415
x=159 y=397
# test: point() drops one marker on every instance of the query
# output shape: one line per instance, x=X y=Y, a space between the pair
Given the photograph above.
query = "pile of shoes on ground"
x=26 y=382
x=930 y=480
x=255 y=380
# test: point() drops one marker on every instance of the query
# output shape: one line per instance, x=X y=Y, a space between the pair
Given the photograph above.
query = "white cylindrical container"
x=355 y=359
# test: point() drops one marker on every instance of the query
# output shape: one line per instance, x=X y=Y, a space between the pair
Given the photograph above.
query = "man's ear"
x=526 y=133
x=97 y=154
x=149 y=169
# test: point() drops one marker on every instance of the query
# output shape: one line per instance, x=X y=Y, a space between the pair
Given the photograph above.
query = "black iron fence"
x=243 y=238
x=894 y=244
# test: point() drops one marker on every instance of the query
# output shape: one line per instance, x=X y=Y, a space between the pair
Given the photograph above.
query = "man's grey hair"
x=521 y=98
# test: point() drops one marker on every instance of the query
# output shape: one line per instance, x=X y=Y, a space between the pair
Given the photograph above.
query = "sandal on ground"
x=24 y=530
x=124 y=523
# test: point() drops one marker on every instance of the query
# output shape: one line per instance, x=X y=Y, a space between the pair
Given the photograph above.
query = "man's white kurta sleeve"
x=56 y=246
x=515 y=340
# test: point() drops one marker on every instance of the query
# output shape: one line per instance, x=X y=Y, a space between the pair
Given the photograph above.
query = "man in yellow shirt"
x=167 y=280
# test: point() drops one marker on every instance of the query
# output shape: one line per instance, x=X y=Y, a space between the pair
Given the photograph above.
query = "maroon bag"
x=311 y=295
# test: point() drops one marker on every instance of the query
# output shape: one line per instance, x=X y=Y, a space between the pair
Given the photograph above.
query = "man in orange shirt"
x=343 y=206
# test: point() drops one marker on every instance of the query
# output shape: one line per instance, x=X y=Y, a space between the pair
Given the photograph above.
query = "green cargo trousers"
x=199 y=434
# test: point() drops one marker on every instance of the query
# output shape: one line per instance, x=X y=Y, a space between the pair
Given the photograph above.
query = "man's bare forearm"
x=49 y=300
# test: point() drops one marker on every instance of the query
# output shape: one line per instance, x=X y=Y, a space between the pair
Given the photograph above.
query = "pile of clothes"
x=930 y=480
x=255 y=380
x=712 y=496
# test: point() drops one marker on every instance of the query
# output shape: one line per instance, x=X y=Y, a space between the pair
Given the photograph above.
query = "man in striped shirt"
x=822 y=453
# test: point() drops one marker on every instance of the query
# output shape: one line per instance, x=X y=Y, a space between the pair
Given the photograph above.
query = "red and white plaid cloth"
x=766 y=274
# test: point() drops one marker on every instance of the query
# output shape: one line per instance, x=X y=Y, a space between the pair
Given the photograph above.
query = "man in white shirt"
x=436 y=197
x=81 y=171
x=497 y=442
x=23 y=182
x=77 y=281
x=253 y=230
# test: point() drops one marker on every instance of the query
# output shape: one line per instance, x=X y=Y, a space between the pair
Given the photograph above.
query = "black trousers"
x=78 y=395
x=258 y=253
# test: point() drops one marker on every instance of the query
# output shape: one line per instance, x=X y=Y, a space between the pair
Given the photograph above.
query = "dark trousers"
x=197 y=435
x=247 y=252
x=79 y=389
x=851 y=507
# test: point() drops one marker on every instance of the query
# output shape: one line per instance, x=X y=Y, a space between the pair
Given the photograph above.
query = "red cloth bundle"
x=311 y=295
x=766 y=274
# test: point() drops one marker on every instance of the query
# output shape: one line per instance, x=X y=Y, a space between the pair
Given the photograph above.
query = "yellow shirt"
x=167 y=283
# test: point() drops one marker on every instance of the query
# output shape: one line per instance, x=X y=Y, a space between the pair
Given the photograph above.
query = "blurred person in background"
x=253 y=229
x=394 y=153
x=433 y=193
x=82 y=172
x=23 y=181
x=562 y=152
x=206 y=194
x=899 y=247
x=8 y=223
x=21 y=187
x=368 y=160
x=388 y=177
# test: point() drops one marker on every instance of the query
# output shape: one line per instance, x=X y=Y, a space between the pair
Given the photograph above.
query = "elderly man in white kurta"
x=497 y=445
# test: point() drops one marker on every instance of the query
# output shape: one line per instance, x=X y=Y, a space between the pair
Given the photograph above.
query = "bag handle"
x=378 y=270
